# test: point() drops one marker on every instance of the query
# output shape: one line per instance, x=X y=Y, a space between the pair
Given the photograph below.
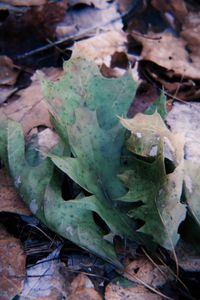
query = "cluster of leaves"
x=121 y=164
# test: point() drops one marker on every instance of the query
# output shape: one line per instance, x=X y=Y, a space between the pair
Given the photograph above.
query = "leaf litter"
x=138 y=153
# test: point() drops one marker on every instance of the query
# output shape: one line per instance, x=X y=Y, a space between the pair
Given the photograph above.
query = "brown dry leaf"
x=126 y=5
x=177 y=8
x=191 y=34
x=9 y=199
x=82 y=288
x=30 y=109
x=89 y=20
x=116 y=292
x=101 y=47
x=8 y=71
x=12 y=265
x=177 y=87
x=146 y=94
x=188 y=259
x=143 y=270
x=24 y=2
x=170 y=53
x=6 y=92
x=28 y=30
x=48 y=279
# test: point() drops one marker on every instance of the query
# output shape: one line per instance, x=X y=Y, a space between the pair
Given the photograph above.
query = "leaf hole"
x=169 y=166
x=101 y=223
x=69 y=188
x=136 y=270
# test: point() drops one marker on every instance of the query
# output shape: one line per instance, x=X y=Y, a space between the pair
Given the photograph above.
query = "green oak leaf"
x=146 y=133
x=149 y=184
x=83 y=85
x=31 y=181
x=86 y=105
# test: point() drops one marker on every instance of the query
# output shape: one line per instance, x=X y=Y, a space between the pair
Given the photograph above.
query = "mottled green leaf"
x=83 y=85
x=159 y=192
x=147 y=131
x=74 y=220
x=31 y=181
x=87 y=105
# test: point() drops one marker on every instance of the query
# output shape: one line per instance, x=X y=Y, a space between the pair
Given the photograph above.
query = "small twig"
x=44 y=233
x=78 y=36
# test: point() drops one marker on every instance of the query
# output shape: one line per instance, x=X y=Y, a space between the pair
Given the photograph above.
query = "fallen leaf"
x=6 y=92
x=175 y=59
x=188 y=258
x=159 y=192
x=177 y=8
x=82 y=288
x=48 y=279
x=185 y=119
x=101 y=47
x=38 y=21
x=8 y=71
x=147 y=131
x=178 y=87
x=86 y=21
x=12 y=265
x=94 y=137
x=143 y=270
x=146 y=94
x=190 y=34
x=29 y=108
x=9 y=198
x=116 y=292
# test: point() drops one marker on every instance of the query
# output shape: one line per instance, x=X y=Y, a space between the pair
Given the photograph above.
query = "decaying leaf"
x=159 y=192
x=6 y=92
x=190 y=34
x=184 y=119
x=175 y=59
x=147 y=132
x=143 y=270
x=82 y=288
x=101 y=47
x=9 y=199
x=8 y=76
x=8 y=71
x=29 y=108
x=176 y=8
x=188 y=256
x=138 y=292
x=12 y=266
x=48 y=279
x=84 y=21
